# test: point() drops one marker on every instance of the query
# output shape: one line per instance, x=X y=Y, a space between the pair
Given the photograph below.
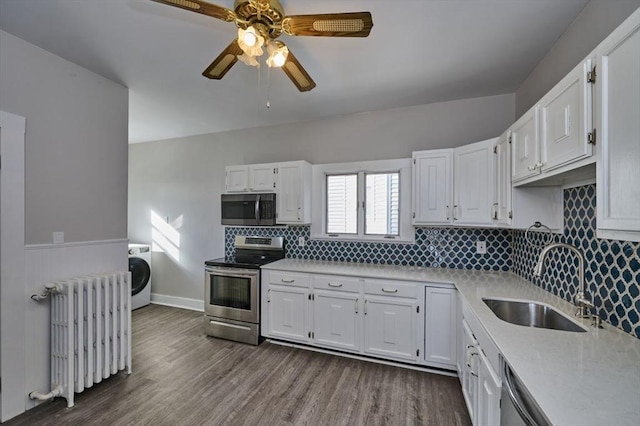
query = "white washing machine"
x=140 y=268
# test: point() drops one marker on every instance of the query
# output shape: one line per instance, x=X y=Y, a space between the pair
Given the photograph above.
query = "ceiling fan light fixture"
x=249 y=60
x=250 y=41
x=278 y=54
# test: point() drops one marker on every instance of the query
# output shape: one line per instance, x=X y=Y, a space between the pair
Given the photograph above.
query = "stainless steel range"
x=232 y=289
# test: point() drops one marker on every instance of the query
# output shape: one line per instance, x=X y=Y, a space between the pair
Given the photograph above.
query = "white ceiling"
x=419 y=52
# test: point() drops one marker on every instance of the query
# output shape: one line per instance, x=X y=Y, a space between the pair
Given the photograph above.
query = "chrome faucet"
x=581 y=300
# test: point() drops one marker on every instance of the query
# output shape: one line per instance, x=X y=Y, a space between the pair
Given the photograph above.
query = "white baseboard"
x=177 y=302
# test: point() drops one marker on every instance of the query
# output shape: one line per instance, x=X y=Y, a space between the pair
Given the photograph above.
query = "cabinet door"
x=336 y=321
x=389 y=327
x=432 y=186
x=261 y=177
x=460 y=356
x=618 y=126
x=440 y=326
x=290 y=194
x=525 y=146
x=565 y=118
x=502 y=211
x=489 y=388
x=469 y=371
x=237 y=178
x=474 y=183
x=288 y=313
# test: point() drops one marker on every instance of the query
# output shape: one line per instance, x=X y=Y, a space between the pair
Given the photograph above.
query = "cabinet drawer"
x=334 y=282
x=289 y=278
x=390 y=288
x=486 y=344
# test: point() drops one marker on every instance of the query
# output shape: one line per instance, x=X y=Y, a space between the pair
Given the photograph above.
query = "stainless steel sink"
x=531 y=314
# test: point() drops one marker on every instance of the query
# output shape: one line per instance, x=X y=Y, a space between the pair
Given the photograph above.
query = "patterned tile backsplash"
x=612 y=270
x=434 y=247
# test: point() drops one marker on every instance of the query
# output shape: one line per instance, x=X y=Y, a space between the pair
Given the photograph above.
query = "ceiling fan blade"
x=355 y=24
x=202 y=7
x=297 y=73
x=223 y=63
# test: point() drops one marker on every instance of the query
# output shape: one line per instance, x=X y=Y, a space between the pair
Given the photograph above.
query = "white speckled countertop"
x=590 y=378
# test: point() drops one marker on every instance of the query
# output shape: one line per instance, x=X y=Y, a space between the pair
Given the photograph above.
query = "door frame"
x=13 y=397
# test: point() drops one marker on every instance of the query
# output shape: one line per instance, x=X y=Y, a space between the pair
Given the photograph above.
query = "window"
x=342 y=204
x=363 y=201
x=382 y=204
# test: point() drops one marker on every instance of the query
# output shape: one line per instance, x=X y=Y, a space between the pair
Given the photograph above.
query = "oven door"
x=232 y=293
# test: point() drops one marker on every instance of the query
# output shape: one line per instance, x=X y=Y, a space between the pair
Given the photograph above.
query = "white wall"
x=182 y=179
x=76 y=144
x=596 y=21
x=76 y=158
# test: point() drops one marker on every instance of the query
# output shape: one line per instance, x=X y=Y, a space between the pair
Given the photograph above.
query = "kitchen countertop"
x=590 y=378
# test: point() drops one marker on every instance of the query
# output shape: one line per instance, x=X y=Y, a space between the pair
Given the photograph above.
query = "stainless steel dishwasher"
x=516 y=406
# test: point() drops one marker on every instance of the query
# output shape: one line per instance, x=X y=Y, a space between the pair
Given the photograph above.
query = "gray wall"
x=181 y=179
x=76 y=144
x=596 y=21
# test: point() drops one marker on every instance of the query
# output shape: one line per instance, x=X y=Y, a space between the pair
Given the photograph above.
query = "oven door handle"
x=231 y=273
x=257 y=209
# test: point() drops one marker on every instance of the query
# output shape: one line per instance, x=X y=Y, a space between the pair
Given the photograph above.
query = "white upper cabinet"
x=237 y=178
x=261 y=177
x=293 y=192
x=618 y=127
x=474 y=168
x=555 y=136
x=454 y=186
x=565 y=119
x=432 y=186
x=525 y=147
x=250 y=178
x=502 y=212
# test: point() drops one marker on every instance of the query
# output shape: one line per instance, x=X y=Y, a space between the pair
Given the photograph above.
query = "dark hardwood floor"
x=182 y=377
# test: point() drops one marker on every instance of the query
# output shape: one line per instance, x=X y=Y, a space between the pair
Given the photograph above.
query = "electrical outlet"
x=58 y=238
x=301 y=242
x=481 y=247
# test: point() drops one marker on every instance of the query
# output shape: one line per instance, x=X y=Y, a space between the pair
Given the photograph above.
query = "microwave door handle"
x=257 y=210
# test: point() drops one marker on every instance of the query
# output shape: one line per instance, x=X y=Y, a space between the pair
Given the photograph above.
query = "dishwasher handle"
x=515 y=398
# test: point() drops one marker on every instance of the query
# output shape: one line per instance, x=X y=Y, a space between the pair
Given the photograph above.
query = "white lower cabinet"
x=489 y=388
x=287 y=313
x=440 y=308
x=481 y=385
x=469 y=371
x=390 y=324
x=336 y=322
x=395 y=320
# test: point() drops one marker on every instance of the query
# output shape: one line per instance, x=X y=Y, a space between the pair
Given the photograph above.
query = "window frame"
x=406 y=232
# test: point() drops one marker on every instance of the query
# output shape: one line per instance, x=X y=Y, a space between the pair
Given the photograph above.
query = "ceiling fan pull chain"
x=268 y=87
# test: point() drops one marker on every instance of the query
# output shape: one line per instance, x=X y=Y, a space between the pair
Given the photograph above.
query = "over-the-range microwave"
x=249 y=209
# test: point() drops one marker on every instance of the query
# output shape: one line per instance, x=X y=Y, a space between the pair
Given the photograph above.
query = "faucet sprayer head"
x=539 y=268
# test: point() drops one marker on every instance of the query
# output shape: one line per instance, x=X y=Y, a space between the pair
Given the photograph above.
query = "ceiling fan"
x=261 y=22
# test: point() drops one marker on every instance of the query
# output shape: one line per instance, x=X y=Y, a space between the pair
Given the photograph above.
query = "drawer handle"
x=335 y=285
x=288 y=281
x=395 y=290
